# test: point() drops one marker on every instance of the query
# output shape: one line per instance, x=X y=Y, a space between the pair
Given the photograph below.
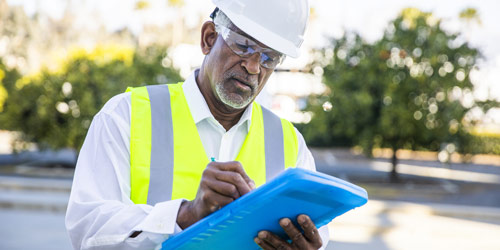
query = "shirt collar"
x=199 y=107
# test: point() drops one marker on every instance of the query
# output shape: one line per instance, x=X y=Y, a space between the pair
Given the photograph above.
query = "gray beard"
x=231 y=102
x=225 y=96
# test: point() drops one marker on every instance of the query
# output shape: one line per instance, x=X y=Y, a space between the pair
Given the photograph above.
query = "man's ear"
x=208 y=37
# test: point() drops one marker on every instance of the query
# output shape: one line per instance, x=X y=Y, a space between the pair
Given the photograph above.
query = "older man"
x=147 y=169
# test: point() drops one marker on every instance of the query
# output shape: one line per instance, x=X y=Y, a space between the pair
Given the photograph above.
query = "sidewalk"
x=384 y=225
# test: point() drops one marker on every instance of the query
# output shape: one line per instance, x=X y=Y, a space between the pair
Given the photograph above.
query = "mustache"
x=252 y=82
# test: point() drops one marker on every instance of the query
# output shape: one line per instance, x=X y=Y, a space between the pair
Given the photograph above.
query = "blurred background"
x=400 y=97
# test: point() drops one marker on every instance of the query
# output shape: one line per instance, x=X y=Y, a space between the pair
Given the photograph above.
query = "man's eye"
x=242 y=47
x=265 y=58
x=270 y=57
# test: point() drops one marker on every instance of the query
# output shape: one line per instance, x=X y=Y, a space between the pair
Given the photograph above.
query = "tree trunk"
x=394 y=177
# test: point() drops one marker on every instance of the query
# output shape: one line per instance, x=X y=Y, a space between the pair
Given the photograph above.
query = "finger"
x=264 y=245
x=235 y=179
x=273 y=240
x=293 y=233
x=310 y=230
x=214 y=201
x=235 y=166
x=214 y=169
x=222 y=187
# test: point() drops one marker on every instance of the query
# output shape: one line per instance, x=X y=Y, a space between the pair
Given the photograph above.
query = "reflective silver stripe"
x=273 y=143
x=162 y=145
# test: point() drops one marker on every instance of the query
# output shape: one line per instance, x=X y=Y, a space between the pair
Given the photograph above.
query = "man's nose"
x=252 y=64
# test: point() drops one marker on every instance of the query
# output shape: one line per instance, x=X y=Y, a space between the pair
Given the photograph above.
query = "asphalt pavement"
x=420 y=181
x=33 y=229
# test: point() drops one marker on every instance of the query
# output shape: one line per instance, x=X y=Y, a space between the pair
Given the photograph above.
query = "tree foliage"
x=54 y=107
x=8 y=78
x=410 y=89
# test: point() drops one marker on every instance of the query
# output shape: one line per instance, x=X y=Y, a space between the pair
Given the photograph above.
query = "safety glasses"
x=246 y=47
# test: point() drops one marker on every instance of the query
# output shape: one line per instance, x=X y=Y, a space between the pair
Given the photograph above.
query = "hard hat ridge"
x=279 y=24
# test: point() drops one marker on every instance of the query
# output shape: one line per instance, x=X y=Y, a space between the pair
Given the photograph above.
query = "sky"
x=368 y=18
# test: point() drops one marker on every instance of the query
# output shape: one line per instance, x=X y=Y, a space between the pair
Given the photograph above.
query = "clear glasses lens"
x=245 y=47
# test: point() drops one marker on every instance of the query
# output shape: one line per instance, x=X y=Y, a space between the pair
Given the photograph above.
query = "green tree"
x=54 y=108
x=470 y=15
x=411 y=89
x=8 y=78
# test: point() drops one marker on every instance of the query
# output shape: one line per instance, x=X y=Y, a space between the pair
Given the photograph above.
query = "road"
x=421 y=181
x=379 y=225
x=433 y=207
x=33 y=229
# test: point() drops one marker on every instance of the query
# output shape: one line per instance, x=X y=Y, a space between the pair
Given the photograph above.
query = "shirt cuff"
x=162 y=219
x=325 y=236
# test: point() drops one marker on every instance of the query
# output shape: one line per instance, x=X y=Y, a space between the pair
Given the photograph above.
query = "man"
x=144 y=171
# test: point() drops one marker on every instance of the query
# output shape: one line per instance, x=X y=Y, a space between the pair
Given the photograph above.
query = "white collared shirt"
x=100 y=214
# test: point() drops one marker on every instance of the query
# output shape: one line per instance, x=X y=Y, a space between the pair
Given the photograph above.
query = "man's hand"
x=310 y=239
x=221 y=183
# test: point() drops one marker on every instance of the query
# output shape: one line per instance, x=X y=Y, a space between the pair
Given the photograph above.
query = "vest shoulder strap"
x=140 y=144
x=287 y=139
x=291 y=144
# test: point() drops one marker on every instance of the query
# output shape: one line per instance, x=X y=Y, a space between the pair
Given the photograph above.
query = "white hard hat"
x=279 y=24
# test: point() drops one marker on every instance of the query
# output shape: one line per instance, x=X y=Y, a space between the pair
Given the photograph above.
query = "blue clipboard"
x=294 y=192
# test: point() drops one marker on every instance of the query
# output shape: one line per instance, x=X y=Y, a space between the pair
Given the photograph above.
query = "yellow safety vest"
x=167 y=157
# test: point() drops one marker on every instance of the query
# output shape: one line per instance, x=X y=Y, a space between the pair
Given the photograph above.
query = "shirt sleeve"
x=305 y=160
x=100 y=214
